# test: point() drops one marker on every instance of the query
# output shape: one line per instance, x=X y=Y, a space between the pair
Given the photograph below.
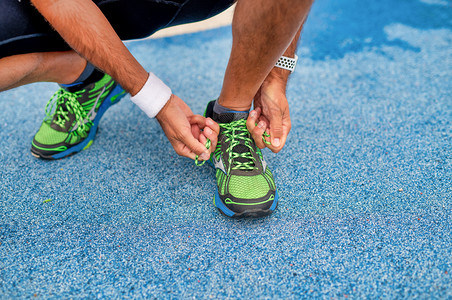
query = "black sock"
x=89 y=75
x=219 y=109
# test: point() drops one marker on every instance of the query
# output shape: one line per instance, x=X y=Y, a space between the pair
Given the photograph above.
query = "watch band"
x=287 y=63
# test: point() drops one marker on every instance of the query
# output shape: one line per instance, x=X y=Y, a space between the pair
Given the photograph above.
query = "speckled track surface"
x=364 y=181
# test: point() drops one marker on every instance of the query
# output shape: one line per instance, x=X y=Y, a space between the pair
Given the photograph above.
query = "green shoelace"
x=208 y=144
x=236 y=132
x=72 y=106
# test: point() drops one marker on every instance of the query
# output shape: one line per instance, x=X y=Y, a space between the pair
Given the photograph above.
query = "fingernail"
x=261 y=124
x=209 y=122
x=207 y=130
x=204 y=156
x=276 y=142
x=252 y=113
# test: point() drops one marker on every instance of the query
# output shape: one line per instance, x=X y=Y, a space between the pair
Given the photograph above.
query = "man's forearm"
x=280 y=74
x=83 y=26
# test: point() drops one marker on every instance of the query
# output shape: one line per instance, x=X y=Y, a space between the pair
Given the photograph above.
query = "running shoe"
x=72 y=118
x=245 y=184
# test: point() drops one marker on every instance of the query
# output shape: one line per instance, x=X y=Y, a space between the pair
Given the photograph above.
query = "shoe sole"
x=250 y=213
x=117 y=92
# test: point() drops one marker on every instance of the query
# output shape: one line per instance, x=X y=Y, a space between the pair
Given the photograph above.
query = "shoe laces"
x=71 y=106
x=244 y=134
x=240 y=146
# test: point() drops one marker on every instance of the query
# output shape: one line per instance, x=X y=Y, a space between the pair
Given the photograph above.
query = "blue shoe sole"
x=117 y=92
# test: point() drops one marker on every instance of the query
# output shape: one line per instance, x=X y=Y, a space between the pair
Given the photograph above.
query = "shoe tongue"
x=77 y=88
x=229 y=117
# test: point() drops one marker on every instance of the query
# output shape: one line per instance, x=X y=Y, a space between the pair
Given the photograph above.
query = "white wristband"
x=152 y=96
x=287 y=63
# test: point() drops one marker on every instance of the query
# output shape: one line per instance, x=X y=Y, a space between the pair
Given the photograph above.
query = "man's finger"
x=256 y=126
x=252 y=119
x=192 y=147
x=210 y=129
x=276 y=131
x=213 y=125
x=196 y=131
x=212 y=136
x=203 y=122
x=258 y=134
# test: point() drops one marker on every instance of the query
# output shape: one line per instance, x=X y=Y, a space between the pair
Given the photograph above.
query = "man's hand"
x=187 y=132
x=271 y=114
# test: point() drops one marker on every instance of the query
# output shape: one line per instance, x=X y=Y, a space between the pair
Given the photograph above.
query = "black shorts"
x=24 y=30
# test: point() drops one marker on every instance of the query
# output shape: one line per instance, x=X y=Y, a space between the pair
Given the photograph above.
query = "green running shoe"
x=246 y=187
x=72 y=118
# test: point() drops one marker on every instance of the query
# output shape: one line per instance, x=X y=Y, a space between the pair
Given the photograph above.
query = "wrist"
x=161 y=114
x=283 y=68
x=277 y=78
x=136 y=83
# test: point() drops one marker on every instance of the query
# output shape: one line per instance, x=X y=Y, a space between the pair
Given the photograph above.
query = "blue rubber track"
x=364 y=180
